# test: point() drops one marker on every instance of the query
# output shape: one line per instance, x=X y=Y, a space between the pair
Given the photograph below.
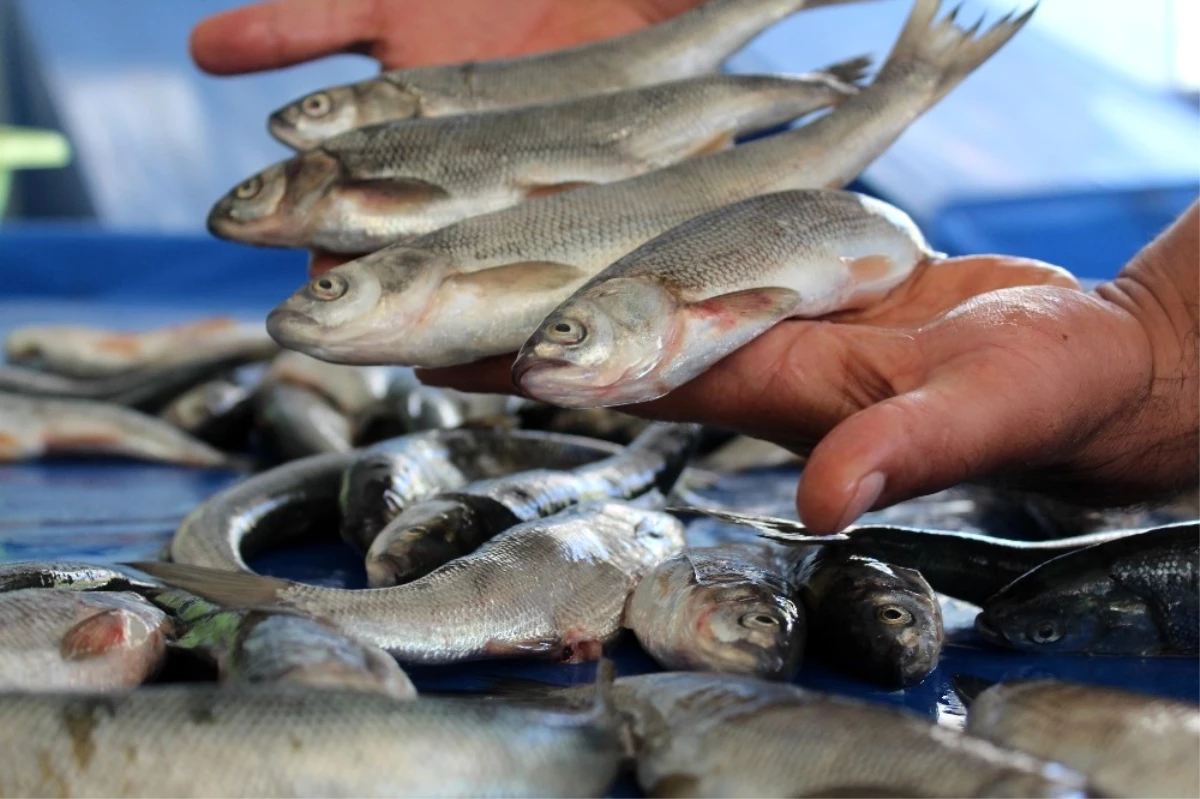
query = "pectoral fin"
x=95 y=635
x=392 y=192
x=765 y=305
x=524 y=276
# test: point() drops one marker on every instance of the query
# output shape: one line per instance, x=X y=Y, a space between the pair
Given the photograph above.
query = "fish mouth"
x=528 y=364
x=284 y=323
x=985 y=627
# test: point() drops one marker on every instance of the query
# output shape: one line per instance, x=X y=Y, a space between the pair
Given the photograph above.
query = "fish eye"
x=328 y=287
x=893 y=614
x=316 y=105
x=1045 y=632
x=248 y=189
x=758 y=621
x=566 y=332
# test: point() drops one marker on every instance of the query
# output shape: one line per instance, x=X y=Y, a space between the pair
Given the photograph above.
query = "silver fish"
x=351 y=390
x=218 y=412
x=68 y=574
x=681 y=302
x=552 y=588
x=693 y=43
x=390 y=182
x=54 y=639
x=482 y=286
x=33 y=427
x=732 y=609
x=301 y=422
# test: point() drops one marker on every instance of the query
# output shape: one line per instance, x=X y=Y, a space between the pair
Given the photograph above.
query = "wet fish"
x=390 y=182
x=91 y=352
x=593 y=422
x=34 y=427
x=674 y=307
x=301 y=422
x=52 y=639
x=69 y=575
x=693 y=43
x=440 y=528
x=877 y=621
x=551 y=588
x=482 y=286
x=351 y=390
x=1138 y=595
x=1127 y=744
x=199 y=740
x=218 y=412
x=395 y=474
x=260 y=647
x=732 y=609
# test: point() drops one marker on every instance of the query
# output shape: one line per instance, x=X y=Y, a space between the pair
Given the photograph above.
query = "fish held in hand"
x=672 y=308
x=731 y=609
x=690 y=44
x=482 y=286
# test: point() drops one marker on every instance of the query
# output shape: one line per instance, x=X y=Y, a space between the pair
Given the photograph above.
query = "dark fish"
x=219 y=412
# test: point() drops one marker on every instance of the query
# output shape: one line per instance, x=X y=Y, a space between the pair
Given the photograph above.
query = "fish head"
x=746 y=628
x=601 y=347
x=272 y=207
x=315 y=117
x=362 y=312
x=427 y=535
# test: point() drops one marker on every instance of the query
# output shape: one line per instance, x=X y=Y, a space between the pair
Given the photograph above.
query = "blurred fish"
x=482 y=286
x=301 y=422
x=732 y=609
x=440 y=528
x=744 y=453
x=35 y=427
x=54 y=640
x=551 y=588
x=690 y=44
x=351 y=390
x=218 y=412
x=69 y=575
x=592 y=422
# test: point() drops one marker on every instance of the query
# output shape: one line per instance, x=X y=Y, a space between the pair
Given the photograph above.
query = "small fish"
x=69 y=575
x=302 y=422
x=390 y=182
x=440 y=528
x=693 y=43
x=674 y=307
x=551 y=588
x=482 y=286
x=35 y=427
x=732 y=609
x=1138 y=596
x=1127 y=744
x=772 y=527
x=592 y=422
x=395 y=474
x=877 y=621
x=351 y=390
x=91 y=352
x=53 y=639
x=218 y=412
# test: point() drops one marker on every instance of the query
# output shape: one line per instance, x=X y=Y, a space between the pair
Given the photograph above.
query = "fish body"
x=35 y=427
x=218 y=412
x=438 y=529
x=669 y=310
x=53 y=639
x=351 y=390
x=690 y=44
x=301 y=422
x=390 y=182
x=1127 y=744
x=481 y=286
x=552 y=588
x=731 y=609
x=878 y=621
x=197 y=741
x=69 y=575
x=1138 y=595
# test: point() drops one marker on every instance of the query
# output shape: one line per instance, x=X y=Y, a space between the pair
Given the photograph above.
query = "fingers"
x=320 y=262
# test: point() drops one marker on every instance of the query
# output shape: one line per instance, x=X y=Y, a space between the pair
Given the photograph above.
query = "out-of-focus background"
x=1075 y=144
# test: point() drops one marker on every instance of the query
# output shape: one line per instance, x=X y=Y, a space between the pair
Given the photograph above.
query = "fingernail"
x=867 y=494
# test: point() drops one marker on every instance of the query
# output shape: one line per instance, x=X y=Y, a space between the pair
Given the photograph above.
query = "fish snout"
x=219 y=219
x=987 y=628
x=529 y=363
x=385 y=569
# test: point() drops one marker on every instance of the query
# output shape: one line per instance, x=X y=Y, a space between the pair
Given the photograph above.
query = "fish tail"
x=226 y=588
x=954 y=51
x=852 y=71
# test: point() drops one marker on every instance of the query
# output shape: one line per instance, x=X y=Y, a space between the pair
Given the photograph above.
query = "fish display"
x=669 y=310
x=380 y=184
x=33 y=427
x=301 y=422
x=480 y=287
x=54 y=640
x=693 y=43
x=442 y=527
x=1136 y=595
x=555 y=588
x=1127 y=744
x=730 y=609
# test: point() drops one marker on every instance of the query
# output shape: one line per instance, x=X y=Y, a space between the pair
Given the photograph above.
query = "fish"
x=56 y=639
x=218 y=412
x=438 y=529
x=671 y=309
x=395 y=474
x=394 y=181
x=261 y=647
x=552 y=588
x=351 y=390
x=36 y=427
x=92 y=352
x=1136 y=596
x=592 y=422
x=409 y=408
x=744 y=453
x=301 y=422
x=880 y=622
x=1127 y=744
x=203 y=740
x=69 y=575
x=481 y=287
x=694 y=43
x=732 y=609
